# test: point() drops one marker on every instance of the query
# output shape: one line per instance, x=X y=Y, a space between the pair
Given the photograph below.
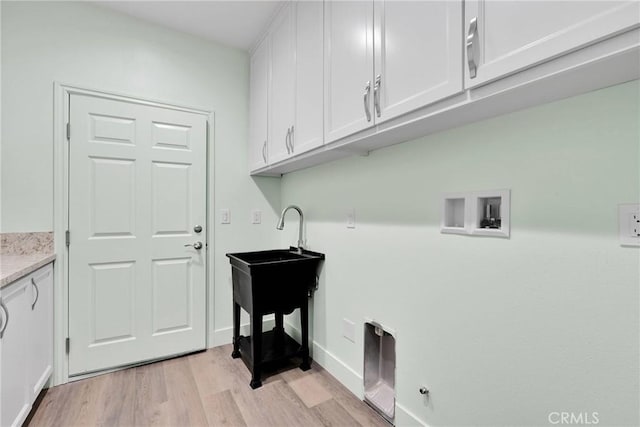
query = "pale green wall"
x=85 y=45
x=501 y=331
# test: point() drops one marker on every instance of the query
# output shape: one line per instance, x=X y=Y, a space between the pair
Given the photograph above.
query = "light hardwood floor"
x=208 y=388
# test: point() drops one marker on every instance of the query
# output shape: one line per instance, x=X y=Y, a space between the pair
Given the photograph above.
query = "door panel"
x=348 y=67
x=513 y=35
x=418 y=54
x=41 y=331
x=282 y=94
x=308 y=133
x=137 y=188
x=258 y=105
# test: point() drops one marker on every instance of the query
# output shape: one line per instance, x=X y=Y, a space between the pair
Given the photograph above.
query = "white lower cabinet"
x=26 y=343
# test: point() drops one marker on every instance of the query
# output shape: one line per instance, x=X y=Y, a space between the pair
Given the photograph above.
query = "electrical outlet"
x=225 y=216
x=349 y=330
x=351 y=218
x=256 y=217
x=629 y=224
x=634 y=225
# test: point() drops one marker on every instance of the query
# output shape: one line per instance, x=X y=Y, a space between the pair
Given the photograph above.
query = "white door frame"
x=62 y=92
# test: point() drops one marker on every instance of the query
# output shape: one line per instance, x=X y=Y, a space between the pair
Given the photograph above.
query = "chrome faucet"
x=280 y=225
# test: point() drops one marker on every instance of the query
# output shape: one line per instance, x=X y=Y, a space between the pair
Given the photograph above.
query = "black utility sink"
x=273 y=281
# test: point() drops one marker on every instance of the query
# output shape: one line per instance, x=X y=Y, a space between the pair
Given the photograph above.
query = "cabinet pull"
x=376 y=95
x=6 y=318
x=291 y=139
x=472 y=59
x=33 y=282
x=264 y=151
x=286 y=140
x=367 y=92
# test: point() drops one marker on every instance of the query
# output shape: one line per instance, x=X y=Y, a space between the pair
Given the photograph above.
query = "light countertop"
x=14 y=267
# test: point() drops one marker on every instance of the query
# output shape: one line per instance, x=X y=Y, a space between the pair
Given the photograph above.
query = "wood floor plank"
x=151 y=392
x=118 y=399
x=184 y=407
x=221 y=410
x=332 y=414
x=310 y=391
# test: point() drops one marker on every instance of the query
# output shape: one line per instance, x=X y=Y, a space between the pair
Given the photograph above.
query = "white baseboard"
x=224 y=336
x=350 y=378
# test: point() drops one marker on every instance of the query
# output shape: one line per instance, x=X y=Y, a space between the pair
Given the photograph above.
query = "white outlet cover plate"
x=628 y=216
x=349 y=330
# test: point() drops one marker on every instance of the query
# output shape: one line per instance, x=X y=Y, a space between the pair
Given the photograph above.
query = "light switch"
x=351 y=218
x=225 y=216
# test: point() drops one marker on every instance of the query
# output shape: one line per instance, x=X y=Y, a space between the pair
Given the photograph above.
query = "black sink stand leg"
x=236 y=331
x=304 y=323
x=256 y=350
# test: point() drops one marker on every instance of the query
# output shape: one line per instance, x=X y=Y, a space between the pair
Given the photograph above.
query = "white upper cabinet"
x=309 y=128
x=348 y=67
x=418 y=54
x=282 y=93
x=503 y=37
x=258 y=106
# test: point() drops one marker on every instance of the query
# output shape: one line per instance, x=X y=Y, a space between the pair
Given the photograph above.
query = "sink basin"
x=273 y=279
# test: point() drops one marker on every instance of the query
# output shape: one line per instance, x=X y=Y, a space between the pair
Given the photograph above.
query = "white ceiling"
x=233 y=23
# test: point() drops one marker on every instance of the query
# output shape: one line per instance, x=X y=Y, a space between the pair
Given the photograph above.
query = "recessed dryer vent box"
x=380 y=370
x=479 y=213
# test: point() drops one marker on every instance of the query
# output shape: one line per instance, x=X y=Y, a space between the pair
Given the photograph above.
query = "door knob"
x=196 y=245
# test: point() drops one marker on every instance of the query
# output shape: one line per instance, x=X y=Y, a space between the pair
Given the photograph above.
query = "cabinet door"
x=14 y=398
x=348 y=68
x=41 y=330
x=282 y=94
x=418 y=54
x=258 y=104
x=308 y=132
x=503 y=37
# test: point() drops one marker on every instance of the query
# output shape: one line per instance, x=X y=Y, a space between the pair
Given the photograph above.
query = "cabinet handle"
x=472 y=53
x=367 y=91
x=33 y=282
x=286 y=140
x=6 y=318
x=291 y=139
x=376 y=95
x=264 y=151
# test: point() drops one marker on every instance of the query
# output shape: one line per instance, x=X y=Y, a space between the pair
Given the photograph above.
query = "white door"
x=308 y=132
x=258 y=105
x=14 y=390
x=41 y=330
x=348 y=65
x=507 y=36
x=137 y=183
x=282 y=92
x=418 y=54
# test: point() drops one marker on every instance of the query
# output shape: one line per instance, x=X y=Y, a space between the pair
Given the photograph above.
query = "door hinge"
x=68 y=131
x=67 y=237
x=67 y=344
